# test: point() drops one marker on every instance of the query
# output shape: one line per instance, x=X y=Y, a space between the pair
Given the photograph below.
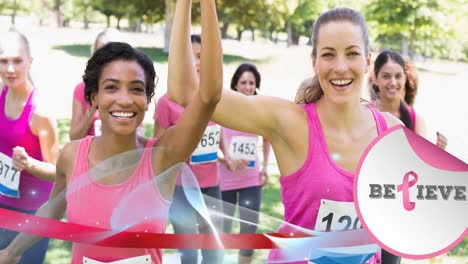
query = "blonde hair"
x=13 y=33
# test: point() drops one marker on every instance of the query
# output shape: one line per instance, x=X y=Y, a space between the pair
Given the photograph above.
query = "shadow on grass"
x=155 y=54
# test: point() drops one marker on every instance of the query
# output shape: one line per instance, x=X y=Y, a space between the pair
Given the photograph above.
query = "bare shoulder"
x=42 y=115
x=67 y=157
x=391 y=120
x=285 y=110
x=41 y=121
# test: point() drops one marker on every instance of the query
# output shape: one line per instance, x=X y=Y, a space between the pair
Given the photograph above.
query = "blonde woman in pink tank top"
x=119 y=84
x=28 y=141
x=340 y=59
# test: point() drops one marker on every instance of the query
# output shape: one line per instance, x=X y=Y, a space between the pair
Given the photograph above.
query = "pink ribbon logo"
x=404 y=186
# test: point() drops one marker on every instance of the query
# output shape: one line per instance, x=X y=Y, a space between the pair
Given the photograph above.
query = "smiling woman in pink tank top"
x=28 y=141
x=317 y=144
x=120 y=84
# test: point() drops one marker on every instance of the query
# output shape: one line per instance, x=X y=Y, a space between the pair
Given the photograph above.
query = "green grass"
x=155 y=54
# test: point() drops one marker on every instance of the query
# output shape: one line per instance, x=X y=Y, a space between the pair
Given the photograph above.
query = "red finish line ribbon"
x=76 y=233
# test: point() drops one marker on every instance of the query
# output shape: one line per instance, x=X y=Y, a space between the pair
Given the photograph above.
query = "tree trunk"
x=118 y=22
x=239 y=34
x=224 y=30
x=295 y=38
x=13 y=14
x=137 y=27
x=169 y=18
x=411 y=44
x=404 y=47
x=58 y=12
x=289 y=30
x=309 y=42
x=85 y=19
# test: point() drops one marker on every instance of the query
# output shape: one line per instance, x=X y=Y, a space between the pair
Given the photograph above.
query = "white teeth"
x=122 y=114
x=341 y=82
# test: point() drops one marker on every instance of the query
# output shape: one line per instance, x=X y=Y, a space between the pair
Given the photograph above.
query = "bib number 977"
x=9 y=177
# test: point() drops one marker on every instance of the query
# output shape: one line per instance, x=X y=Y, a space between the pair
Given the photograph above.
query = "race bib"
x=335 y=215
x=9 y=177
x=243 y=148
x=207 y=149
x=145 y=259
x=97 y=127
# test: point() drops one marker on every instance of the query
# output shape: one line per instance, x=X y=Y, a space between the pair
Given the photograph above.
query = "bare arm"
x=420 y=129
x=182 y=75
x=81 y=120
x=182 y=138
x=54 y=208
x=46 y=130
x=266 y=156
x=158 y=131
x=160 y=110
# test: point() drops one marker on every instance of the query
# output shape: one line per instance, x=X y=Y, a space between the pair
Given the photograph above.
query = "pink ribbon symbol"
x=404 y=186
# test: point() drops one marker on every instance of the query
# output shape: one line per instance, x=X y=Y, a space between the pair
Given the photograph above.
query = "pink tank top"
x=318 y=178
x=79 y=95
x=204 y=165
x=246 y=143
x=33 y=192
x=135 y=204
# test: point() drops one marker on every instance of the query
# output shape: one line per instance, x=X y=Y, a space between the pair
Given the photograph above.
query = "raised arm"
x=183 y=138
x=235 y=110
x=182 y=75
x=266 y=158
x=82 y=118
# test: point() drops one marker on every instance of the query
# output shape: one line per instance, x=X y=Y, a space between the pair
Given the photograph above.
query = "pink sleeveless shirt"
x=135 y=204
x=207 y=173
x=318 y=178
x=248 y=177
x=79 y=95
x=33 y=192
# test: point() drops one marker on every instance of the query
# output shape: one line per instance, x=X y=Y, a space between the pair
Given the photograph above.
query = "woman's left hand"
x=20 y=158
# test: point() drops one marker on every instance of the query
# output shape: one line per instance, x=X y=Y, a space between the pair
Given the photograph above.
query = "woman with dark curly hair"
x=395 y=83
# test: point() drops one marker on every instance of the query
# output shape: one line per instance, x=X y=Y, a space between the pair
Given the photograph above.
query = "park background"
x=274 y=35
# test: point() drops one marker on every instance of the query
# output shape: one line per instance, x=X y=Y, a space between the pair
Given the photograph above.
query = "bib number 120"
x=345 y=220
